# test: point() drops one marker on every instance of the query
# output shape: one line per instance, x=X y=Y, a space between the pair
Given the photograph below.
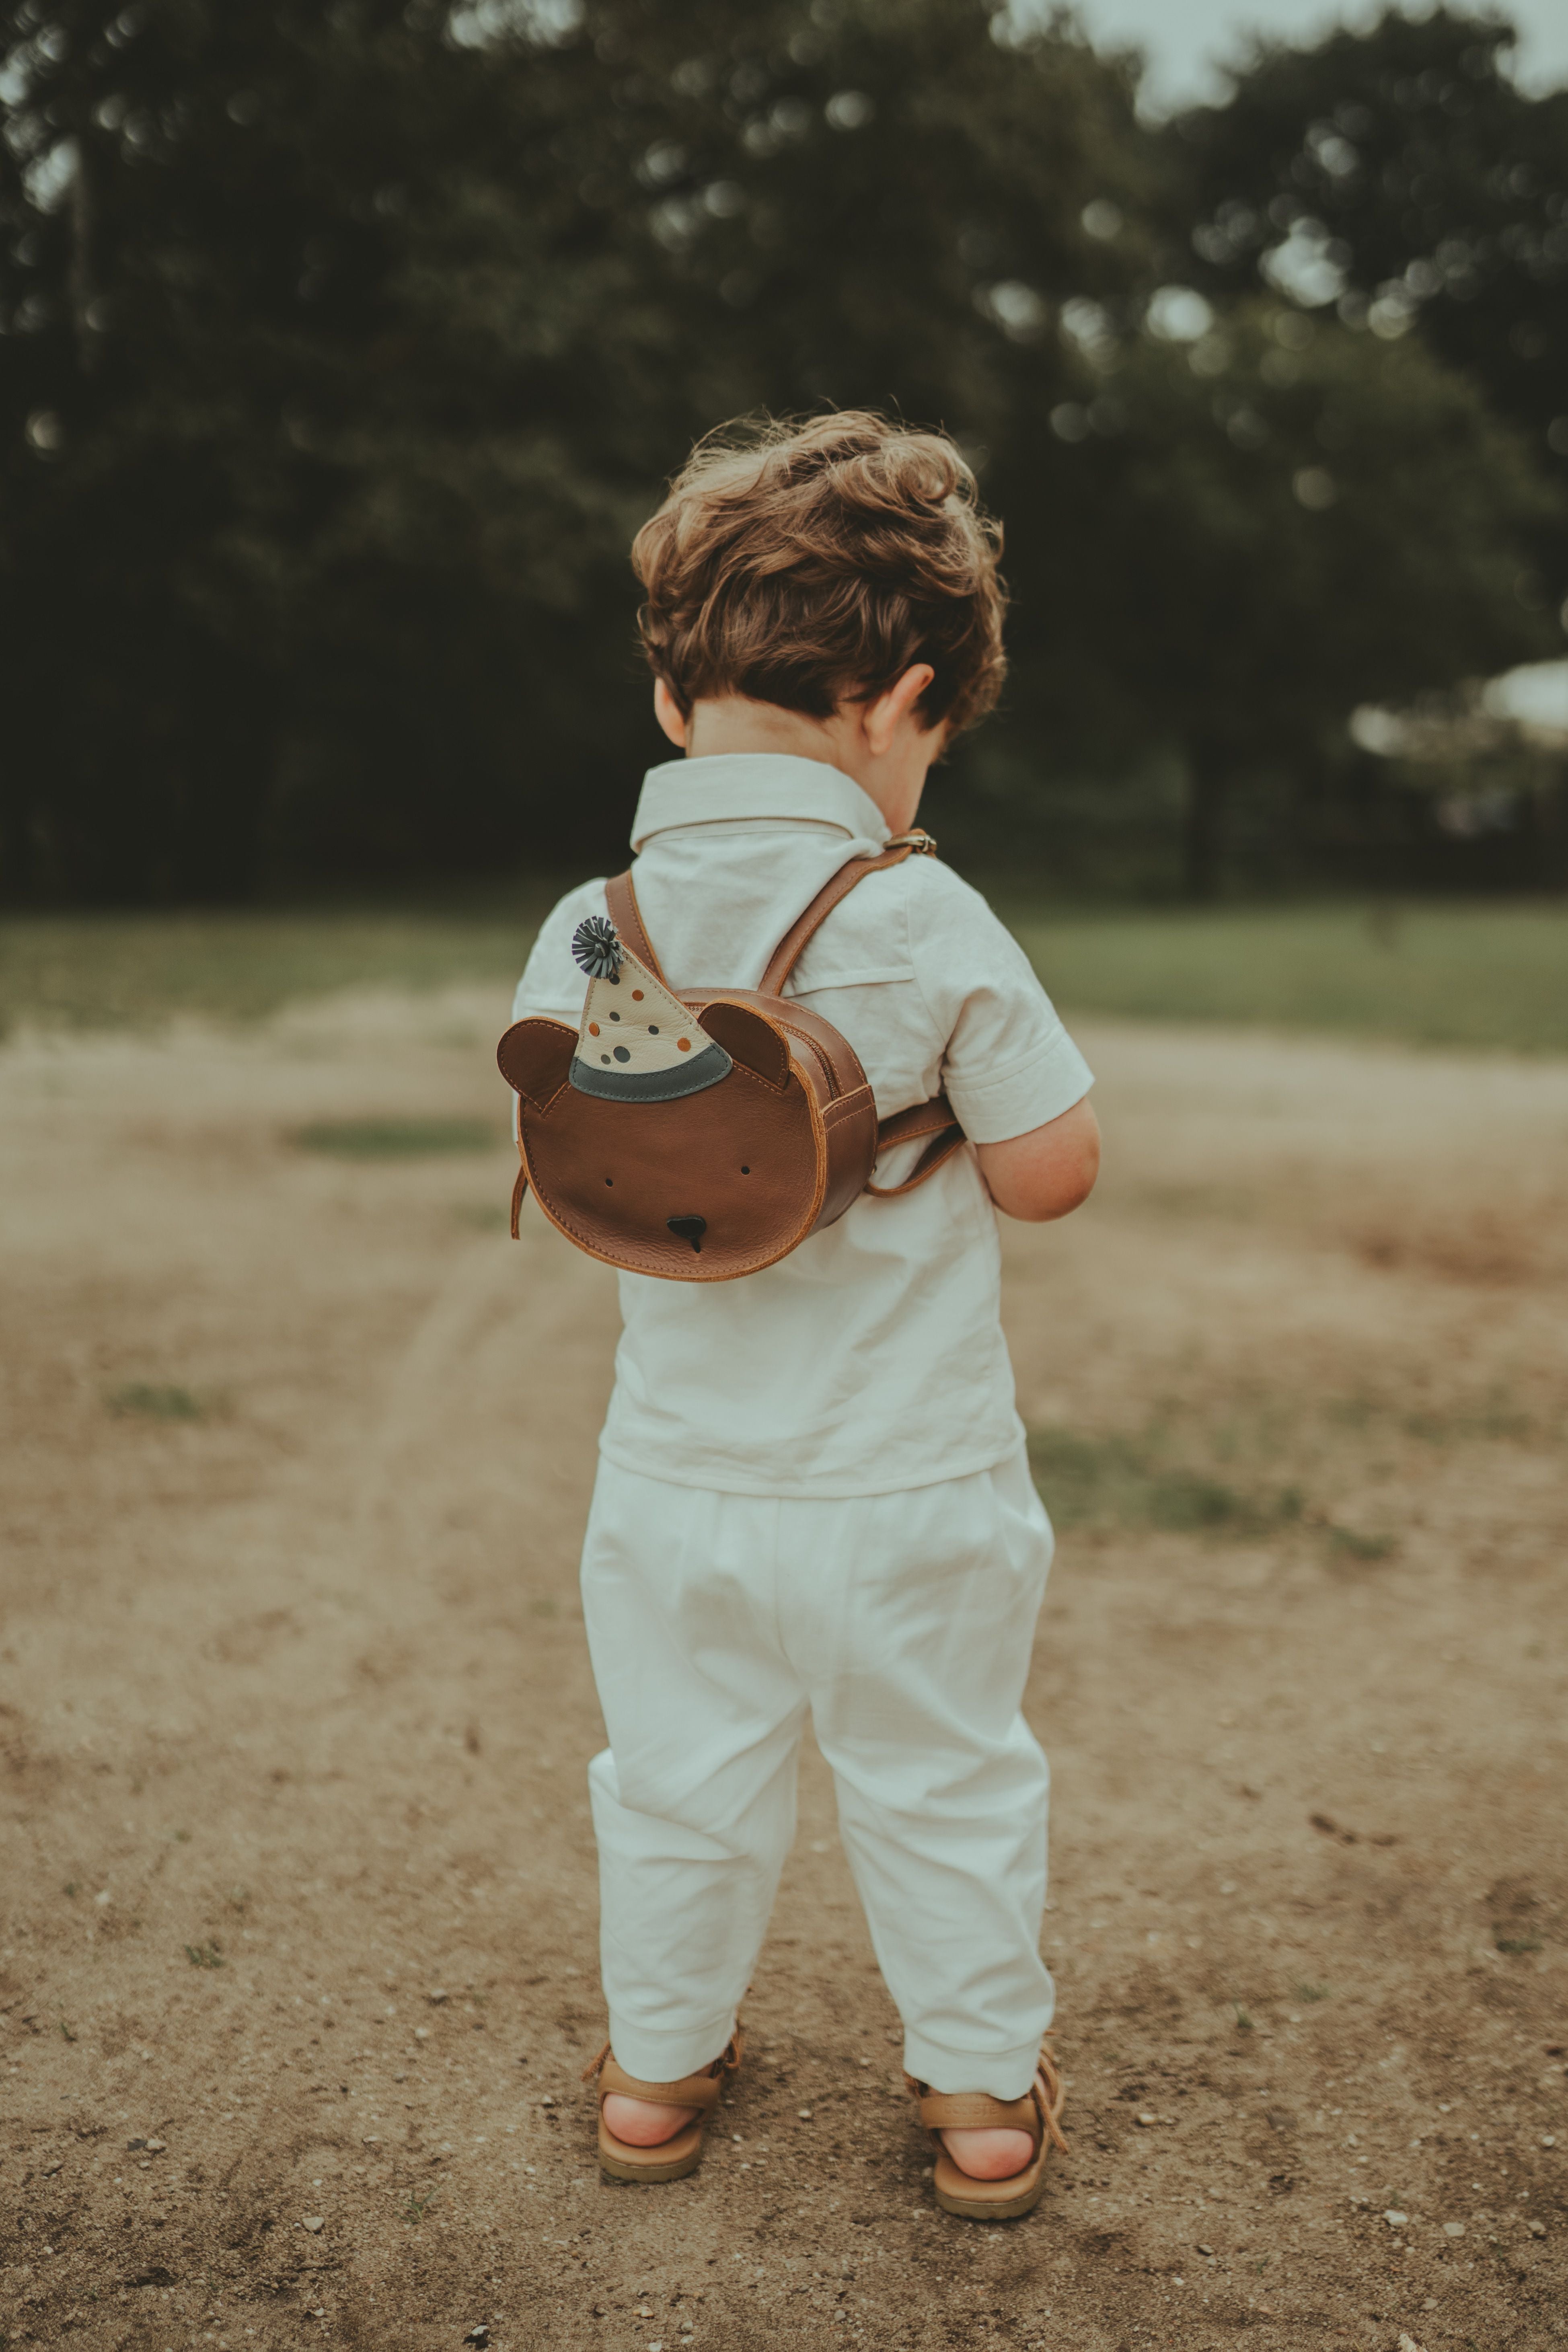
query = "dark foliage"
x=1400 y=170
x=344 y=349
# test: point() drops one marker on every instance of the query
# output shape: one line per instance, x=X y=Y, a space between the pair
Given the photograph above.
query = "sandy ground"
x=297 y=1961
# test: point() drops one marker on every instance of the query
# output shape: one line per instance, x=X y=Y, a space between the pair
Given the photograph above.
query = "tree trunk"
x=1202 y=821
x=81 y=260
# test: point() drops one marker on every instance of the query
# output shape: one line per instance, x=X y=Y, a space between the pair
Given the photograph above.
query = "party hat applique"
x=637 y=1043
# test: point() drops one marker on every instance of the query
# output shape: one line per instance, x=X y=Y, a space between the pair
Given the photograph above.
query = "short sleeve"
x=552 y=984
x=1008 y=1064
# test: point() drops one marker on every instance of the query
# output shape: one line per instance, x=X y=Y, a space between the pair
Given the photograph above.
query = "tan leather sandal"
x=1039 y=2113
x=672 y=2159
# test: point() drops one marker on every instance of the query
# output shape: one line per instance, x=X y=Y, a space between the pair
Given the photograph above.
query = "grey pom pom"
x=596 y=948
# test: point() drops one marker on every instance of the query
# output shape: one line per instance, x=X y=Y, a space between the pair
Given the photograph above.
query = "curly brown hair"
x=810 y=563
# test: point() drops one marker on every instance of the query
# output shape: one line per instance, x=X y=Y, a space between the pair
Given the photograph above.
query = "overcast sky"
x=1182 y=39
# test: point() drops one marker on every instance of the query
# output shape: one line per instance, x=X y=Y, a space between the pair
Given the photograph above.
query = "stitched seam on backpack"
x=823 y=1061
x=850 y=1107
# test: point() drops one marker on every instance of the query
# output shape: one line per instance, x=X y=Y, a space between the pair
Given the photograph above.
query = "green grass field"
x=1478 y=975
x=1493 y=973
x=133 y=971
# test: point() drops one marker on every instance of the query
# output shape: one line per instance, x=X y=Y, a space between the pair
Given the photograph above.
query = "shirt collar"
x=734 y=786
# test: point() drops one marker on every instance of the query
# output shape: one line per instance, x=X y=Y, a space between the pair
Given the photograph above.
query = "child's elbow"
x=1059 y=1191
x=1073 y=1185
x=1048 y=1173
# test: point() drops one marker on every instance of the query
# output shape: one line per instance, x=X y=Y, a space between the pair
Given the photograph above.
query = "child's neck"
x=730 y=723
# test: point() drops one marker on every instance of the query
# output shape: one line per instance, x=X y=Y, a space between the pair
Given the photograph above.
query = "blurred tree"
x=1273 y=521
x=346 y=350
x=1397 y=171
x=310 y=470
x=341 y=351
x=877 y=202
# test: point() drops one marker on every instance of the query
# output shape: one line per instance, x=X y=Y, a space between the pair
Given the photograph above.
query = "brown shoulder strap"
x=790 y=948
x=937 y=1119
x=620 y=895
x=626 y=916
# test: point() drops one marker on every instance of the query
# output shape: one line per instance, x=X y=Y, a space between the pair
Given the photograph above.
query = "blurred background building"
x=343 y=348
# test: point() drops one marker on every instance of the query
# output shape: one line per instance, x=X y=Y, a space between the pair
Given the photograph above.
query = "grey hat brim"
x=704 y=1069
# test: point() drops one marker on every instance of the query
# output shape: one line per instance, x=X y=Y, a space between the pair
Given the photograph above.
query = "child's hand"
x=1047 y=1172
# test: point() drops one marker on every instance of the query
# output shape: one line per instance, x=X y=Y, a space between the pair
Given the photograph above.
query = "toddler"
x=813 y=1498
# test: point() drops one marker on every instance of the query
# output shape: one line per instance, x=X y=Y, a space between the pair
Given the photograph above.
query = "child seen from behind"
x=813 y=1498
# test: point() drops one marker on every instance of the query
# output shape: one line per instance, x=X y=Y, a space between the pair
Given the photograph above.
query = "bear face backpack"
x=702 y=1137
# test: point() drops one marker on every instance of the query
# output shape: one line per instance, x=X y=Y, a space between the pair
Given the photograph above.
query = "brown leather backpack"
x=715 y=1151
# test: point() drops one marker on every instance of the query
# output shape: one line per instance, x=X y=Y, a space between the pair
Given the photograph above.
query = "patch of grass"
x=1347 y=1544
x=1488 y=1417
x=1122 y=1481
x=396 y=1138
x=1243 y=2023
x=1313 y=1992
x=1519 y=1944
x=1149 y=1479
x=1491 y=1421
x=482 y=1217
x=154 y=1402
x=417 y=2207
x=1477 y=974
x=204 y=1956
x=138 y=971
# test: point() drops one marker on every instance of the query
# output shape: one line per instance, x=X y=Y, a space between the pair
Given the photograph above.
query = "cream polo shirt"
x=871 y=1359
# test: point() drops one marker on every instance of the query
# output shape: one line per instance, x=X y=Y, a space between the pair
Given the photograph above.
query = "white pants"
x=902 y=1624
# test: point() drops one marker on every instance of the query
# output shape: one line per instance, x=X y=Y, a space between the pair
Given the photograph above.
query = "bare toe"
x=989 y=2154
x=639 y=2123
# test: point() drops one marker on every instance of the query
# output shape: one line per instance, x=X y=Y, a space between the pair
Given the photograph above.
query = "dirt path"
x=296 y=1956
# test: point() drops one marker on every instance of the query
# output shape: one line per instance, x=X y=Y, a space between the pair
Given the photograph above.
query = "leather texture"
x=936 y=1119
x=1039 y=2113
x=668 y=2159
x=692 y=2091
x=726 y=1181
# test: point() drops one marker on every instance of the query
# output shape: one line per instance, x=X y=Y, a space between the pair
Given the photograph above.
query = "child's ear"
x=883 y=719
x=535 y=1056
x=670 y=714
x=749 y=1039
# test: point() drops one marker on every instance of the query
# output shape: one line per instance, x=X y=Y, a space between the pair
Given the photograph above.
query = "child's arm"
x=1012 y=1075
x=1047 y=1172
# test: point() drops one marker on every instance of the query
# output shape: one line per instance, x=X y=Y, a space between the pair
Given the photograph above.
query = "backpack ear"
x=534 y=1057
x=751 y=1039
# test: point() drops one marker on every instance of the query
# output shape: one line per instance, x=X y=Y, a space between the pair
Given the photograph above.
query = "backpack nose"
x=689 y=1229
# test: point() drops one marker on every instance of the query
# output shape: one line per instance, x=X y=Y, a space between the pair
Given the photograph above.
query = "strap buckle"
x=918 y=839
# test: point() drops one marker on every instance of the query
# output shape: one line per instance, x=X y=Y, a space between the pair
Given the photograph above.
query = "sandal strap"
x=700 y=2090
x=977 y=2111
x=1037 y=2112
x=1052 y=2096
